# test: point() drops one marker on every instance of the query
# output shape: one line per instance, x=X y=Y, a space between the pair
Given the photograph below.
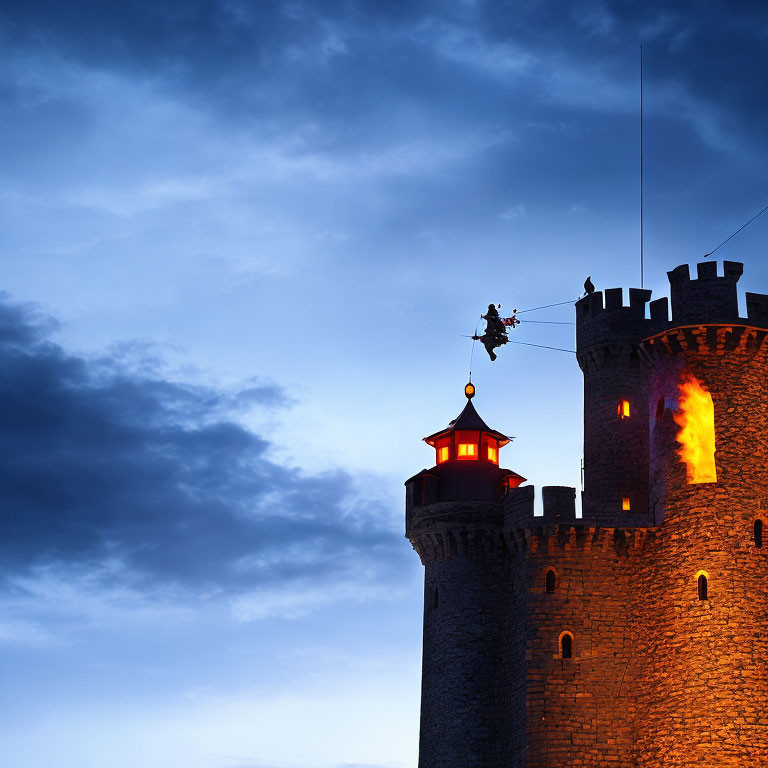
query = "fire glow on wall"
x=696 y=419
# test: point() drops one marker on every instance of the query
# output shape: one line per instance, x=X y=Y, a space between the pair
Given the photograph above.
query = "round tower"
x=702 y=594
x=455 y=520
x=615 y=406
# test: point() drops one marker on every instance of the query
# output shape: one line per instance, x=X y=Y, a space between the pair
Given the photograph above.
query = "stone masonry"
x=557 y=641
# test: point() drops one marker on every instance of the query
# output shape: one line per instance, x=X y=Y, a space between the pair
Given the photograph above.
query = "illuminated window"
x=702 y=584
x=758 y=533
x=622 y=409
x=625 y=506
x=550 y=581
x=566 y=645
x=493 y=454
x=467 y=450
x=696 y=420
x=443 y=454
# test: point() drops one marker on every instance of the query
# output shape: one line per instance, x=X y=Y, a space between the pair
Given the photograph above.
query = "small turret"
x=466 y=462
x=454 y=517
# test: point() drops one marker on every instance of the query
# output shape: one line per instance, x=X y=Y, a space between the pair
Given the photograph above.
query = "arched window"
x=758 y=533
x=550 y=582
x=702 y=582
x=566 y=645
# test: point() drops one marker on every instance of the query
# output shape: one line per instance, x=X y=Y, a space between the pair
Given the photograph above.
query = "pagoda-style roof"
x=498 y=474
x=469 y=420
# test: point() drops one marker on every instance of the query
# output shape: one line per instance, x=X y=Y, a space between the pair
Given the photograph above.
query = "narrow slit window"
x=702 y=585
x=550 y=581
x=758 y=533
x=623 y=409
x=661 y=407
x=436 y=603
x=566 y=646
x=625 y=505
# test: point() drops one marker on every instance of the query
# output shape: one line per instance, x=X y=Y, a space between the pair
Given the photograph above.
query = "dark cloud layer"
x=547 y=91
x=332 y=58
x=99 y=462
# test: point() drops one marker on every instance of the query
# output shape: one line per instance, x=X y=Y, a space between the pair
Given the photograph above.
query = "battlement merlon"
x=612 y=322
x=707 y=298
x=558 y=505
x=757 y=309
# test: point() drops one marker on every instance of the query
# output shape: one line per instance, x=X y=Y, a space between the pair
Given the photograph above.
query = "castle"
x=635 y=635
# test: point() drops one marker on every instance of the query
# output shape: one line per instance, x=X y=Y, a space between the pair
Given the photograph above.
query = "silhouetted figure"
x=589 y=287
x=495 y=331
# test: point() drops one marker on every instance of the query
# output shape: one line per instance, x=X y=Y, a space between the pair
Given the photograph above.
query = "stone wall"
x=580 y=710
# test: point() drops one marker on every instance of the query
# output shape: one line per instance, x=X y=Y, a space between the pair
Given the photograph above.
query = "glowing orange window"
x=493 y=454
x=696 y=420
x=622 y=409
x=467 y=450
x=625 y=504
x=443 y=454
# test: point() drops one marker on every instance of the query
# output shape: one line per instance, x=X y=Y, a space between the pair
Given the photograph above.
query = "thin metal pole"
x=641 y=169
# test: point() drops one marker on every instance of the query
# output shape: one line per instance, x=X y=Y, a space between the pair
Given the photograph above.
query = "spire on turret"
x=467 y=437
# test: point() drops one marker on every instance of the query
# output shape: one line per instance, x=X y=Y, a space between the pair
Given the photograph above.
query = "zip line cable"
x=546 y=306
x=542 y=346
x=737 y=231
x=547 y=322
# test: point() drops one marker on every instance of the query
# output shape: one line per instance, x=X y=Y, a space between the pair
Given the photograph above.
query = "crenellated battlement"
x=490 y=542
x=708 y=298
x=558 y=504
x=603 y=319
x=484 y=531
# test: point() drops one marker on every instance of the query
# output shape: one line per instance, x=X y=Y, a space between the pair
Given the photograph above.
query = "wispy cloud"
x=515 y=212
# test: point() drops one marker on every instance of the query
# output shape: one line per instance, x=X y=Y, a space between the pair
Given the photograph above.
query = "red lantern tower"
x=455 y=521
x=466 y=461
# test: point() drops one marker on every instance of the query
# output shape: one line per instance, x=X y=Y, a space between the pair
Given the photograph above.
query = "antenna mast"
x=641 y=168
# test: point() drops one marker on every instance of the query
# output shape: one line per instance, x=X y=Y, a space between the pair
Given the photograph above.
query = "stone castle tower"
x=636 y=635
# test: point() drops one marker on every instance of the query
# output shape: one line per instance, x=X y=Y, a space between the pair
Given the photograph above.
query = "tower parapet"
x=615 y=404
x=601 y=324
x=707 y=298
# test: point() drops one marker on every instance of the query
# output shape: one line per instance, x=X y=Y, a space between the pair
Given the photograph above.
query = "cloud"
x=124 y=483
x=515 y=212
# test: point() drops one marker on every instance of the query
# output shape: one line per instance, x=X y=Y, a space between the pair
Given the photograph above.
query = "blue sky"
x=240 y=245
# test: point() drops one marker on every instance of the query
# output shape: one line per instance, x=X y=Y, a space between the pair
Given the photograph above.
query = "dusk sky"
x=242 y=245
